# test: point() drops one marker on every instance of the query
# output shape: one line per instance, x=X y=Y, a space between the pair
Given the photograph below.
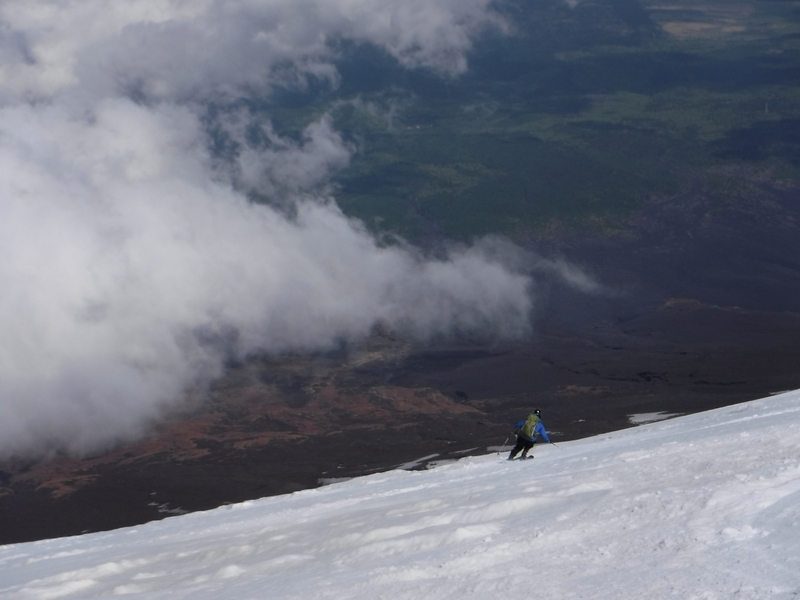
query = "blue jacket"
x=538 y=431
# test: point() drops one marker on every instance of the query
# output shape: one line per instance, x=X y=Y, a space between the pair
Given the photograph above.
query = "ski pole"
x=504 y=444
x=554 y=444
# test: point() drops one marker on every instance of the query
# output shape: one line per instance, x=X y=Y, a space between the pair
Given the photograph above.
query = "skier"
x=527 y=432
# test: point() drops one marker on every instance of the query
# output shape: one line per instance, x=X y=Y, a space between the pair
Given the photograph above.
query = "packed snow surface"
x=702 y=506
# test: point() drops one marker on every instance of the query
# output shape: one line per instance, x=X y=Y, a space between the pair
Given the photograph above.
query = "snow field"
x=705 y=506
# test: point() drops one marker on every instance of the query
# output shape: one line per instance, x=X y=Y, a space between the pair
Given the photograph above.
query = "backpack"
x=527 y=428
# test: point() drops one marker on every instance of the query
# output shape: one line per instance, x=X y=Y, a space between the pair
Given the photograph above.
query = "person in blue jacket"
x=527 y=432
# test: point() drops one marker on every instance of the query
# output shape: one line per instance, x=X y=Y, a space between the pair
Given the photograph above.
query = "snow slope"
x=702 y=506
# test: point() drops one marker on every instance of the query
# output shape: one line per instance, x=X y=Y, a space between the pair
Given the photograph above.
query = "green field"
x=579 y=118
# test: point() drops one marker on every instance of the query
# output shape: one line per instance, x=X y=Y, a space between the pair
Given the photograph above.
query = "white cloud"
x=285 y=167
x=131 y=260
x=174 y=49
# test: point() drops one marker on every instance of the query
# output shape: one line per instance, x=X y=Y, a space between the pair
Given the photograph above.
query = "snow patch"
x=641 y=418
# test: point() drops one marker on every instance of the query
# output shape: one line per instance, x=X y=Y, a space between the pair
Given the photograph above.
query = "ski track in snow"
x=705 y=506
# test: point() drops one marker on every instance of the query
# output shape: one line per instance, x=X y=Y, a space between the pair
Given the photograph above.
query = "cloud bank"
x=132 y=263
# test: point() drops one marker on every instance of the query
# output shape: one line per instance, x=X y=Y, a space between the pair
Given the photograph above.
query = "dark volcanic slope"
x=275 y=425
x=700 y=311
